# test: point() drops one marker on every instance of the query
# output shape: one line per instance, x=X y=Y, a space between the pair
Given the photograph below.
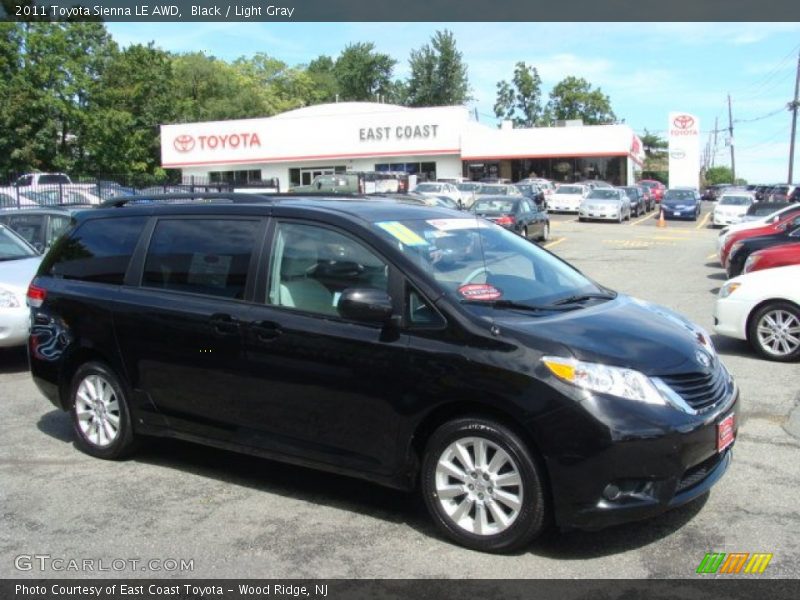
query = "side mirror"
x=365 y=304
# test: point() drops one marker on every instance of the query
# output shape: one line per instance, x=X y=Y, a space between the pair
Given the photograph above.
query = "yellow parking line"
x=554 y=242
x=712 y=255
x=703 y=222
x=644 y=218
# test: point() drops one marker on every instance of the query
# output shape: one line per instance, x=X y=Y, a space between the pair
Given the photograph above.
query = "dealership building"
x=437 y=142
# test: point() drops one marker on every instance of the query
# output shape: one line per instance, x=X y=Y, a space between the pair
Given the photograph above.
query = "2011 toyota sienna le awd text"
x=412 y=346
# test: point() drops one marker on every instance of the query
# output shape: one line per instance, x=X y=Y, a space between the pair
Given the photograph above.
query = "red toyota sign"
x=683 y=122
x=183 y=143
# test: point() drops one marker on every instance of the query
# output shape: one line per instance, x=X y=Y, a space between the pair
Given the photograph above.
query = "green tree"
x=719 y=175
x=208 y=89
x=320 y=70
x=574 y=98
x=134 y=99
x=362 y=73
x=521 y=100
x=438 y=74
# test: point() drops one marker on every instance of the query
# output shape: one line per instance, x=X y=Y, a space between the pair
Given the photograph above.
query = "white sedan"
x=18 y=264
x=763 y=308
x=731 y=207
x=567 y=198
x=436 y=188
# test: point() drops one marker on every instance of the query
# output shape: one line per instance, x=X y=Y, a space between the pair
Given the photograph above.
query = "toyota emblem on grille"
x=683 y=121
x=703 y=359
x=183 y=143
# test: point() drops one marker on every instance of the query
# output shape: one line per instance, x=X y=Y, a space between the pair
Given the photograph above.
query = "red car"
x=776 y=256
x=732 y=238
x=656 y=188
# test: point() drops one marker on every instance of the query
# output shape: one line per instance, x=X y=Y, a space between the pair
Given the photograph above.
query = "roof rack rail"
x=184 y=197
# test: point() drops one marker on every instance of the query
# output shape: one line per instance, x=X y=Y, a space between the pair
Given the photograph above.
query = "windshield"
x=13 y=247
x=603 y=194
x=473 y=260
x=493 y=189
x=494 y=205
x=468 y=187
x=429 y=187
x=679 y=195
x=569 y=189
x=736 y=200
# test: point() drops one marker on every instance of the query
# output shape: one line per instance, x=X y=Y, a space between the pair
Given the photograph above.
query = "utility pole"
x=730 y=131
x=714 y=149
x=793 y=107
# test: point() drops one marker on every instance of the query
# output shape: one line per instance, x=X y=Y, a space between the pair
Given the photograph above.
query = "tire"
x=481 y=510
x=545 y=232
x=783 y=316
x=100 y=412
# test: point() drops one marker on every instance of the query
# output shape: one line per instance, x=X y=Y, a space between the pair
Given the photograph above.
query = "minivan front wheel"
x=481 y=485
x=100 y=413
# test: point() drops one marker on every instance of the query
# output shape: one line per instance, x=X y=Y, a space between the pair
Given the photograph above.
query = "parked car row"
x=760 y=302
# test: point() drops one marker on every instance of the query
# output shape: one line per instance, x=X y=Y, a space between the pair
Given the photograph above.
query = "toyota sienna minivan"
x=416 y=347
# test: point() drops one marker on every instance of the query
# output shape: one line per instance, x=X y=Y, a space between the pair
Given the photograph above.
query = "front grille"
x=698 y=473
x=699 y=390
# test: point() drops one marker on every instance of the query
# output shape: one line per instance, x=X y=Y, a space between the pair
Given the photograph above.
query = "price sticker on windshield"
x=479 y=291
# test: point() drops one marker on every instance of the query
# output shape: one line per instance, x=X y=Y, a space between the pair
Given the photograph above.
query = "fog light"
x=612 y=492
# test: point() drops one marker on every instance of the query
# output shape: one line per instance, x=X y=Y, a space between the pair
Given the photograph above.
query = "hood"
x=602 y=200
x=624 y=332
x=17 y=274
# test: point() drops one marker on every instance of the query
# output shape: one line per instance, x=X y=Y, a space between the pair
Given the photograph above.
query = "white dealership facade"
x=437 y=142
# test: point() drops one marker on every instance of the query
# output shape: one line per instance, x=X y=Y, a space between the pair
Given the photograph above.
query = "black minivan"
x=412 y=346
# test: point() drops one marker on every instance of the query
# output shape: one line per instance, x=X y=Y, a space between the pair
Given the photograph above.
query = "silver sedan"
x=18 y=264
x=607 y=204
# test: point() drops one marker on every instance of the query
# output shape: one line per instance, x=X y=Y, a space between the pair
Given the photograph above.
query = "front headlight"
x=604 y=379
x=751 y=262
x=727 y=289
x=8 y=299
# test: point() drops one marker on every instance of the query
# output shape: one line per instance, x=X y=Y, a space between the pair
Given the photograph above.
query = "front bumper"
x=651 y=470
x=730 y=317
x=721 y=220
x=600 y=215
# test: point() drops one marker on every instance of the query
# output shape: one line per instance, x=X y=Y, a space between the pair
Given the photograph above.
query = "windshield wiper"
x=583 y=297
x=517 y=305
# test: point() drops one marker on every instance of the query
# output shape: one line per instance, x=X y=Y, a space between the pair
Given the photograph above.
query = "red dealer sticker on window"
x=479 y=291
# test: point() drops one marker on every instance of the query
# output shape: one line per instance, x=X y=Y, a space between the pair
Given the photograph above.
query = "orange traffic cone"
x=661 y=221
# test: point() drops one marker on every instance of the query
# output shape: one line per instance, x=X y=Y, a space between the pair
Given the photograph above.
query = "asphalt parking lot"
x=237 y=516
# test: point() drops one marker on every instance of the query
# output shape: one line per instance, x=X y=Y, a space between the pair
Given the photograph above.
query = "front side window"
x=201 y=256
x=313 y=265
x=98 y=250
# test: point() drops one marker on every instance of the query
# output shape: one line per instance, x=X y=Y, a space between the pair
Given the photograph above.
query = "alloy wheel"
x=98 y=410
x=778 y=332
x=479 y=486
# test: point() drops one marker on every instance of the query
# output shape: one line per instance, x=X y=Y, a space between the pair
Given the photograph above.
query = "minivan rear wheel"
x=481 y=485
x=100 y=412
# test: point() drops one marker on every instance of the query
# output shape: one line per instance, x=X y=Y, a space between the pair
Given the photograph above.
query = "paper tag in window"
x=453 y=224
x=479 y=291
x=402 y=233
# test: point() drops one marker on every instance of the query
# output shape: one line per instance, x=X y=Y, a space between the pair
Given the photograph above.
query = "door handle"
x=224 y=324
x=266 y=330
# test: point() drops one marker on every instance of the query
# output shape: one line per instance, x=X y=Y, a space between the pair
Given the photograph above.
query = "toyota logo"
x=183 y=143
x=683 y=122
x=703 y=359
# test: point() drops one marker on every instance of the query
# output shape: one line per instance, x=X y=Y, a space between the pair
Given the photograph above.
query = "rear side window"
x=201 y=256
x=98 y=250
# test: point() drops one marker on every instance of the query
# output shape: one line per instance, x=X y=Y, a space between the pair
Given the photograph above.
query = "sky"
x=647 y=69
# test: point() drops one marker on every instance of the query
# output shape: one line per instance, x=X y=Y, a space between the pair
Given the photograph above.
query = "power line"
x=762 y=117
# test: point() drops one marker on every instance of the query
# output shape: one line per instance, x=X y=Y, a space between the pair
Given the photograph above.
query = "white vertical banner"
x=684 y=150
